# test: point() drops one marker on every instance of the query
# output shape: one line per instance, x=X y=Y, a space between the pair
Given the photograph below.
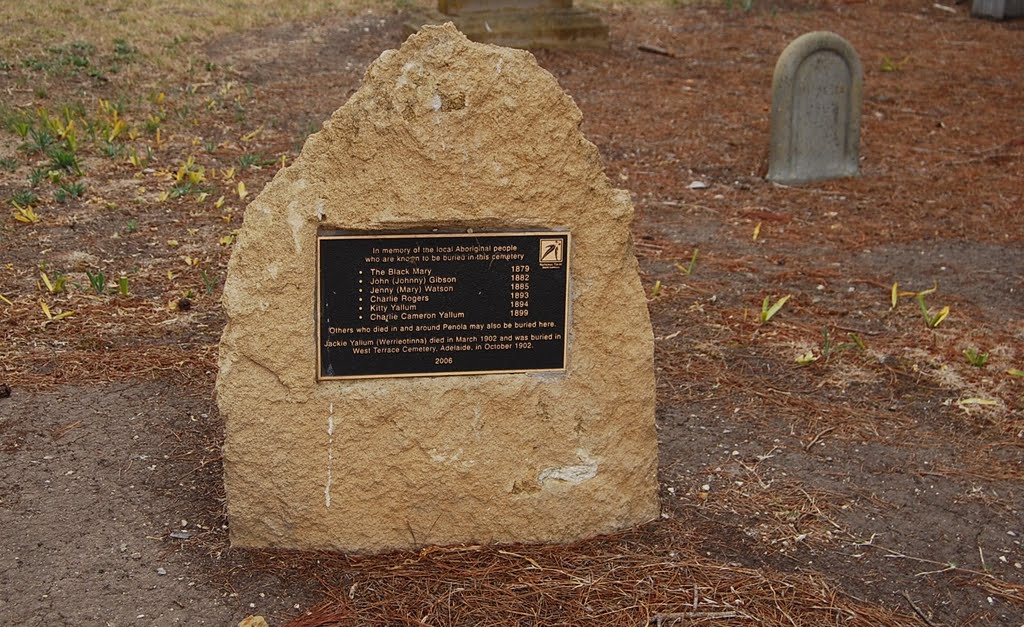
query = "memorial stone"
x=816 y=104
x=436 y=330
x=520 y=23
x=997 y=9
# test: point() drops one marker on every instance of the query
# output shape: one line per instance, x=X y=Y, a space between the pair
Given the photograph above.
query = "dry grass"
x=153 y=26
x=655 y=575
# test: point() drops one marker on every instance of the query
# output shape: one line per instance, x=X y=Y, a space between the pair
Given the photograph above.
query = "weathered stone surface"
x=997 y=9
x=520 y=23
x=816 y=102
x=445 y=134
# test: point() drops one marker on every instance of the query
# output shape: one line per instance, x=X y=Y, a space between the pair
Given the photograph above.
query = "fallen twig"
x=655 y=50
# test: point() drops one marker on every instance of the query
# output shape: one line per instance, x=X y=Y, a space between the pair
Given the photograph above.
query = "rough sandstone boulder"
x=451 y=135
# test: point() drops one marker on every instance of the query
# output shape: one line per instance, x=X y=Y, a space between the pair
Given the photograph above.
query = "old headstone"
x=520 y=23
x=816 y=103
x=436 y=331
x=997 y=9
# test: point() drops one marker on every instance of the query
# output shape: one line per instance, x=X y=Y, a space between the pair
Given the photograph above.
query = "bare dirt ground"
x=843 y=463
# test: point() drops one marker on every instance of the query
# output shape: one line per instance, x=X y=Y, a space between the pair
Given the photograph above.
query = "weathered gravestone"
x=436 y=330
x=816 y=103
x=997 y=9
x=521 y=23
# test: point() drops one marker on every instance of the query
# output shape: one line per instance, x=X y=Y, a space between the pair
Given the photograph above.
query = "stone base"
x=997 y=9
x=535 y=28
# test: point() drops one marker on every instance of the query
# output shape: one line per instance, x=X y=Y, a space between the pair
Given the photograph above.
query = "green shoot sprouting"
x=210 y=283
x=98 y=281
x=768 y=311
x=689 y=268
x=932 y=320
x=975 y=358
x=656 y=290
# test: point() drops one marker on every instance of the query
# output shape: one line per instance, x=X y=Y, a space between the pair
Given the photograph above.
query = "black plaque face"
x=432 y=305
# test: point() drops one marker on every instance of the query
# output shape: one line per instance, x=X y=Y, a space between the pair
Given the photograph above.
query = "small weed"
x=888 y=65
x=122 y=285
x=55 y=285
x=124 y=50
x=25 y=215
x=34 y=63
x=76 y=53
x=252 y=160
x=975 y=358
x=20 y=127
x=131 y=225
x=69 y=190
x=932 y=320
x=137 y=160
x=210 y=283
x=65 y=159
x=71 y=58
x=24 y=198
x=36 y=176
x=98 y=281
x=190 y=172
x=768 y=310
x=9 y=163
x=113 y=150
x=857 y=341
x=656 y=289
x=152 y=124
x=182 y=189
x=806 y=359
x=39 y=141
x=50 y=316
x=829 y=348
x=690 y=267
x=1013 y=372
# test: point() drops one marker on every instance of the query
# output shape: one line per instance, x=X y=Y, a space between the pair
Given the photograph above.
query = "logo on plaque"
x=552 y=252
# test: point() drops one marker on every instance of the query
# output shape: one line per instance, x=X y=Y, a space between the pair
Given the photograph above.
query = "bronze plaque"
x=433 y=305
